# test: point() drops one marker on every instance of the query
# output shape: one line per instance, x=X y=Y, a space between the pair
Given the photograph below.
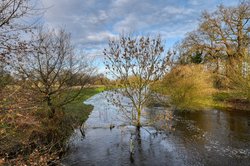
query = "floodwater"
x=202 y=138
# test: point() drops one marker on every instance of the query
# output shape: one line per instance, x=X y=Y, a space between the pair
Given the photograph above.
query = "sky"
x=92 y=22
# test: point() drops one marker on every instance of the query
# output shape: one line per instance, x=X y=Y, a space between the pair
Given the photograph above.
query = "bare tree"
x=17 y=20
x=225 y=31
x=12 y=24
x=136 y=63
x=222 y=38
x=50 y=66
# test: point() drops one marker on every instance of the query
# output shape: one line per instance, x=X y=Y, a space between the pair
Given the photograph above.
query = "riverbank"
x=230 y=101
x=77 y=109
x=30 y=137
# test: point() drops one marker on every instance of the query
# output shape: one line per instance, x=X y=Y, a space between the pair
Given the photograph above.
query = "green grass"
x=77 y=109
x=222 y=96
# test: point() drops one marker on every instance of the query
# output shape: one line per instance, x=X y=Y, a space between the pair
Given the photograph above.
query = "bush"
x=240 y=82
x=189 y=87
x=28 y=136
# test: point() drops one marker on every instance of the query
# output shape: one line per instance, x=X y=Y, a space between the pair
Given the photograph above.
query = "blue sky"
x=92 y=22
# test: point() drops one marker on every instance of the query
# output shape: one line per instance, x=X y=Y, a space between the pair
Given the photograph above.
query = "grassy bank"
x=227 y=100
x=30 y=137
x=77 y=109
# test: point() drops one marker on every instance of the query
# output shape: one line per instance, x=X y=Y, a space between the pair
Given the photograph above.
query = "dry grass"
x=28 y=136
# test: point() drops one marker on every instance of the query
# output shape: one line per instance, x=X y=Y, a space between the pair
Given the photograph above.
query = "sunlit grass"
x=77 y=109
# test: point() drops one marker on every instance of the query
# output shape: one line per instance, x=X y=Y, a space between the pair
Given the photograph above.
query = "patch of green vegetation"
x=77 y=109
x=220 y=99
x=221 y=96
x=230 y=100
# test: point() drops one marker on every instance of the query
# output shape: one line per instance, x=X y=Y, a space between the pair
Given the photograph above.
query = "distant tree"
x=100 y=79
x=136 y=63
x=50 y=66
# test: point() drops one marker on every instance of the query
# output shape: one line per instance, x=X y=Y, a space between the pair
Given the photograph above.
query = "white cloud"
x=195 y=2
x=101 y=36
x=120 y=3
x=173 y=10
x=130 y=24
x=92 y=22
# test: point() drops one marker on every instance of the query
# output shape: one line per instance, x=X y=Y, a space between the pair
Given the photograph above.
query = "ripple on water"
x=206 y=138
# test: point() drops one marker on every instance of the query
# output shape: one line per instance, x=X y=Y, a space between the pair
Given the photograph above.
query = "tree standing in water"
x=136 y=63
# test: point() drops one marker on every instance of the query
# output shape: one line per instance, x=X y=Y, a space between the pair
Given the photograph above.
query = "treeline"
x=213 y=61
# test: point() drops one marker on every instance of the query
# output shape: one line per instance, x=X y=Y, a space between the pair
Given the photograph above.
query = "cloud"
x=194 y=2
x=120 y=3
x=93 y=22
x=173 y=10
x=100 y=36
x=130 y=24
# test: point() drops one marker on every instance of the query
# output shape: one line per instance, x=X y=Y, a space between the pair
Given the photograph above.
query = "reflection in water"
x=201 y=138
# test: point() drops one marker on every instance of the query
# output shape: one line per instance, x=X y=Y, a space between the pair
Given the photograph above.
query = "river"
x=201 y=138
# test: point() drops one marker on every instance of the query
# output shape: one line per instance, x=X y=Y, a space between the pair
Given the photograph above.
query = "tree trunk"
x=138 y=125
x=51 y=108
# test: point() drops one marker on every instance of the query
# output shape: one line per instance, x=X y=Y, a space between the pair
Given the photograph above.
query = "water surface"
x=202 y=138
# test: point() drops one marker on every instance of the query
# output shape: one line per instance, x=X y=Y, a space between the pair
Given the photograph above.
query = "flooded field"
x=201 y=138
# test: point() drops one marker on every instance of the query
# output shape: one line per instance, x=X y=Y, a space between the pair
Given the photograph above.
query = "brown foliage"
x=50 y=68
x=136 y=63
x=12 y=25
x=30 y=137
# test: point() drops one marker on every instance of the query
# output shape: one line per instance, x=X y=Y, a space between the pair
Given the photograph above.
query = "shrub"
x=189 y=87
